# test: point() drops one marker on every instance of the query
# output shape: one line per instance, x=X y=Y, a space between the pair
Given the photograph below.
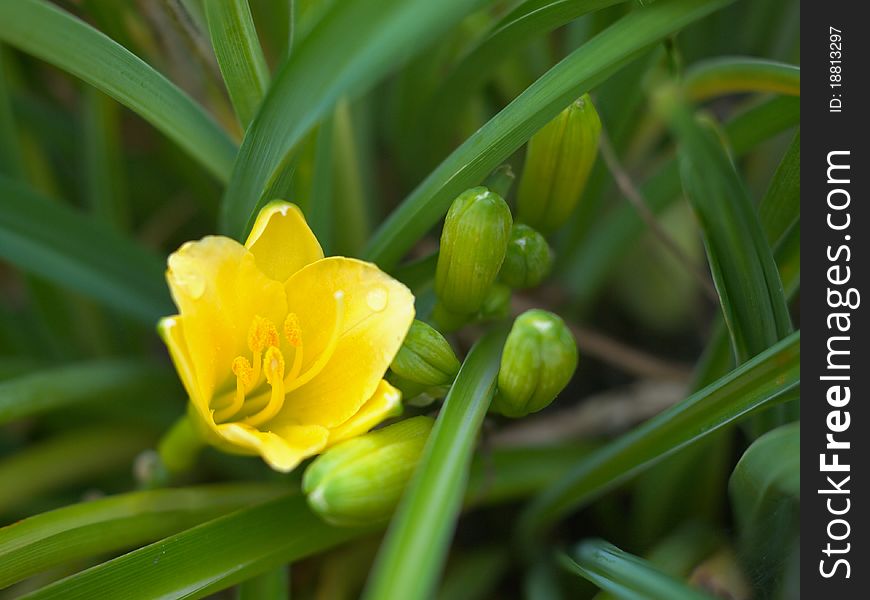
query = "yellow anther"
x=243 y=371
x=292 y=331
x=317 y=366
x=273 y=367
x=262 y=335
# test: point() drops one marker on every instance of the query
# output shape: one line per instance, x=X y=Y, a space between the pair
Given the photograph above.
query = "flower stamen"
x=243 y=371
x=293 y=333
x=324 y=357
x=261 y=335
x=273 y=367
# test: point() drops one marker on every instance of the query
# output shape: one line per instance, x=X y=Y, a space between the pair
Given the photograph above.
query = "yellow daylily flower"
x=282 y=351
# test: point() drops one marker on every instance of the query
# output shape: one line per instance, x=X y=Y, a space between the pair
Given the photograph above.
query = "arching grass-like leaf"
x=769 y=378
x=208 y=558
x=239 y=55
x=352 y=46
x=624 y=575
x=111 y=524
x=734 y=75
x=63 y=246
x=36 y=392
x=414 y=551
x=744 y=271
x=469 y=164
x=47 y=32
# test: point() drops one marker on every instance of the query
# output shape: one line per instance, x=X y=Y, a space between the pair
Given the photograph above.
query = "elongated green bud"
x=360 y=481
x=473 y=245
x=558 y=161
x=528 y=258
x=538 y=361
x=425 y=357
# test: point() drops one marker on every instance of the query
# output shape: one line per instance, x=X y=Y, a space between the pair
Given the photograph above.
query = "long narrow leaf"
x=736 y=75
x=750 y=290
x=769 y=378
x=509 y=129
x=780 y=207
x=47 y=32
x=765 y=493
x=587 y=266
x=111 y=524
x=37 y=392
x=415 y=548
x=239 y=55
x=624 y=575
x=526 y=22
x=63 y=246
x=353 y=44
x=67 y=459
x=208 y=558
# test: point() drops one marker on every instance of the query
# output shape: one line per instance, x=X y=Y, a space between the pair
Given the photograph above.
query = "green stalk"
x=414 y=551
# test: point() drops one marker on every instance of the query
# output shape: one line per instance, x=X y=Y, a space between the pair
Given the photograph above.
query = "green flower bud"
x=360 y=481
x=538 y=361
x=528 y=258
x=497 y=304
x=425 y=357
x=473 y=245
x=558 y=161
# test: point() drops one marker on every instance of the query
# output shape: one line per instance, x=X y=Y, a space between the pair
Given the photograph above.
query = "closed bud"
x=559 y=158
x=473 y=245
x=538 y=361
x=360 y=481
x=425 y=357
x=528 y=258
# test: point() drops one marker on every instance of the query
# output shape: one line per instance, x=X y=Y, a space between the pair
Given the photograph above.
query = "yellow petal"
x=283 y=449
x=377 y=312
x=386 y=402
x=170 y=330
x=219 y=290
x=281 y=241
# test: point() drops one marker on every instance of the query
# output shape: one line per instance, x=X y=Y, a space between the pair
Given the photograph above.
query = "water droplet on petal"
x=186 y=276
x=377 y=299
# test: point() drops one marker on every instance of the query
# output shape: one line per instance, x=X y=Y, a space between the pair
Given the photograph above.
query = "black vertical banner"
x=835 y=419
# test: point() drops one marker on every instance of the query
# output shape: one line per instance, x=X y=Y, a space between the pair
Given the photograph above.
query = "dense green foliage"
x=130 y=127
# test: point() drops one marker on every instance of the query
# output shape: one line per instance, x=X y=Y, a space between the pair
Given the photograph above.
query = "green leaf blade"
x=239 y=55
x=508 y=130
x=770 y=378
x=47 y=32
x=208 y=558
x=63 y=246
x=355 y=43
x=414 y=551
x=110 y=524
